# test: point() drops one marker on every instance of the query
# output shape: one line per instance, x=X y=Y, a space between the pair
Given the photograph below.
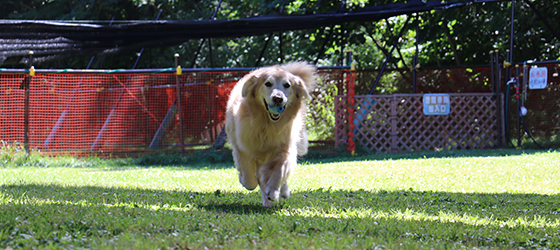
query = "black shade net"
x=55 y=40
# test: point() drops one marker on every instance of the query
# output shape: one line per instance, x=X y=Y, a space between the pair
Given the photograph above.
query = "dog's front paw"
x=249 y=182
x=267 y=203
x=272 y=195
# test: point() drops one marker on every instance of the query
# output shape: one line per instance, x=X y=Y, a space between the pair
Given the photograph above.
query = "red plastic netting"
x=119 y=113
x=111 y=113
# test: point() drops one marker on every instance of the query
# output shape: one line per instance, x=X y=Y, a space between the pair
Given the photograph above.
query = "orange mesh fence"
x=124 y=113
x=114 y=113
x=121 y=113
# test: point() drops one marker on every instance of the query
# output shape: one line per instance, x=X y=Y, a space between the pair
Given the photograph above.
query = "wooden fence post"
x=393 y=117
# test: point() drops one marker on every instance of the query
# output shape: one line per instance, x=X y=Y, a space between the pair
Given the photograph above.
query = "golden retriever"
x=265 y=124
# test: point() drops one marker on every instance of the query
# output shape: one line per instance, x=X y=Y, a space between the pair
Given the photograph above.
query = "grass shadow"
x=222 y=159
x=460 y=219
x=508 y=205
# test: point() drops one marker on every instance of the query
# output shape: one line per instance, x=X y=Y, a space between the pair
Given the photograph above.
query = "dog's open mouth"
x=274 y=111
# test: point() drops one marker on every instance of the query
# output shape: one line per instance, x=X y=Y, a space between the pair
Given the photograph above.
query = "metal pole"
x=322 y=48
x=60 y=121
x=101 y=133
x=264 y=48
x=492 y=72
x=501 y=129
x=266 y=45
x=210 y=55
x=280 y=48
x=507 y=101
x=510 y=58
x=26 y=83
x=507 y=64
x=178 y=100
x=517 y=96
x=193 y=63
x=509 y=73
x=543 y=19
x=415 y=60
x=164 y=126
x=389 y=56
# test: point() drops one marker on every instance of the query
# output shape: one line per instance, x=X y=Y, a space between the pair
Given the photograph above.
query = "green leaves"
x=453 y=36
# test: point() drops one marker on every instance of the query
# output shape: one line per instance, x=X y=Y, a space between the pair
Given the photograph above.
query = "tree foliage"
x=455 y=36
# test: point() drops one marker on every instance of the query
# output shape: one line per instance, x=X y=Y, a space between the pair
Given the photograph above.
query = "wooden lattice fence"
x=397 y=123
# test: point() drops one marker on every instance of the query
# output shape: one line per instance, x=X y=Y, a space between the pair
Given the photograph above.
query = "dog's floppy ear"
x=305 y=75
x=249 y=86
x=300 y=89
x=304 y=71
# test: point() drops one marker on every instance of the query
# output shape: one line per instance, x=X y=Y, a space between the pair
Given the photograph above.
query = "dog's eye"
x=286 y=85
x=268 y=84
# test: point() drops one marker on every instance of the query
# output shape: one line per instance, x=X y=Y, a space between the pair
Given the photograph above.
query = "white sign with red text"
x=538 y=78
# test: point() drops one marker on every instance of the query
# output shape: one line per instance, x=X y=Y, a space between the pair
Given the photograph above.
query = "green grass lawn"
x=445 y=200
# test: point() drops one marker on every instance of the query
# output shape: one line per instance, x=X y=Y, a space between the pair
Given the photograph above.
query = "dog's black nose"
x=277 y=100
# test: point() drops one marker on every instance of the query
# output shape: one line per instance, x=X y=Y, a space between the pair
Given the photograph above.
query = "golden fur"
x=265 y=144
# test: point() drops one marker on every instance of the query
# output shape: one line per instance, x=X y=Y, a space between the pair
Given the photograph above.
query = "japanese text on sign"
x=538 y=78
x=436 y=104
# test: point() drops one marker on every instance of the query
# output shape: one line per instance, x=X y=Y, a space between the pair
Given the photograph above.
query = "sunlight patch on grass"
x=411 y=215
x=7 y=199
x=510 y=174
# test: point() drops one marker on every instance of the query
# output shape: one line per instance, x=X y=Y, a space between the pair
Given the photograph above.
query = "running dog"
x=265 y=124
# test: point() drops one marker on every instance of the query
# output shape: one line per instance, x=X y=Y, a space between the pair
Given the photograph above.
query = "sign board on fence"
x=538 y=78
x=436 y=104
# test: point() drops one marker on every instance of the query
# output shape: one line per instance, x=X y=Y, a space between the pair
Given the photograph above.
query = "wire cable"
x=529 y=134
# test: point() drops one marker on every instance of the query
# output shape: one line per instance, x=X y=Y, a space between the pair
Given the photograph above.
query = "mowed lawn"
x=468 y=199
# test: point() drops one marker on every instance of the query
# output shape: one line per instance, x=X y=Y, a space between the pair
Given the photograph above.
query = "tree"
x=465 y=36
x=455 y=36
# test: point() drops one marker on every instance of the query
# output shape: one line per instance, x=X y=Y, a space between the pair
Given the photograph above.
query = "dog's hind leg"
x=247 y=168
x=302 y=143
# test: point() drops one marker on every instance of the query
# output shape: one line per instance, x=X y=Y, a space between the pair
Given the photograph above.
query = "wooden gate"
x=397 y=123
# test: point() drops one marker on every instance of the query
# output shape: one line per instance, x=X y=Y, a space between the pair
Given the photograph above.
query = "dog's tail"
x=305 y=71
